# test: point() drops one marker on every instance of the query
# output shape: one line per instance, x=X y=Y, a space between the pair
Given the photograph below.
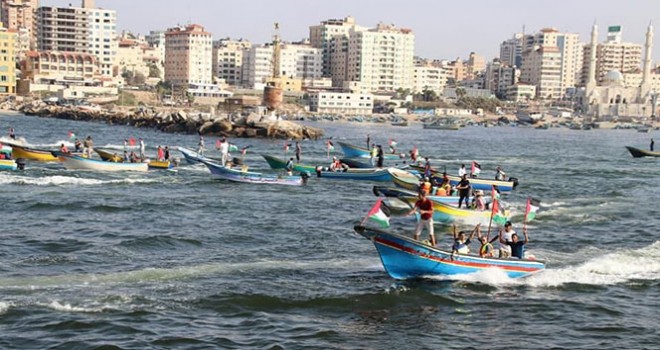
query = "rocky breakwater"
x=179 y=121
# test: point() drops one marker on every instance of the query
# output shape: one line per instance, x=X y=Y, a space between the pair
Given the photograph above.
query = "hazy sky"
x=443 y=29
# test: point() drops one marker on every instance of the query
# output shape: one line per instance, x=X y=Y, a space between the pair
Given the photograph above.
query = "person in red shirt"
x=425 y=208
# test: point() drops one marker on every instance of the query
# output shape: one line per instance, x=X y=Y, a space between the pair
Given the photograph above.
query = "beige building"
x=521 y=92
x=499 y=77
x=322 y=35
x=21 y=14
x=188 y=55
x=475 y=65
x=541 y=67
x=51 y=67
x=7 y=61
x=428 y=76
x=297 y=62
x=136 y=56
x=84 y=29
x=341 y=103
x=570 y=52
x=377 y=59
x=614 y=54
x=228 y=60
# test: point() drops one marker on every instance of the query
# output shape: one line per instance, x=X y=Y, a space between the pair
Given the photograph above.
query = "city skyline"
x=436 y=34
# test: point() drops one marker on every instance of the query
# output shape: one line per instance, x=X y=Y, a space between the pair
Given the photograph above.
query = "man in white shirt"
x=462 y=171
x=505 y=249
x=224 y=150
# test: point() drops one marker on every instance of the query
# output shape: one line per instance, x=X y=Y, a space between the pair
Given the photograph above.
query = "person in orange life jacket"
x=517 y=246
x=64 y=149
x=461 y=243
x=425 y=186
x=486 y=250
x=335 y=165
x=425 y=208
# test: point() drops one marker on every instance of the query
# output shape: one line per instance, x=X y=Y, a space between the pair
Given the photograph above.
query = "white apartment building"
x=296 y=61
x=570 y=59
x=429 y=77
x=20 y=15
x=541 y=67
x=188 y=56
x=79 y=29
x=377 y=59
x=156 y=40
x=321 y=36
x=228 y=60
x=341 y=103
x=614 y=55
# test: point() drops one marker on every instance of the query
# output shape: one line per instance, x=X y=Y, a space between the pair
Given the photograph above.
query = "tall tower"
x=646 y=75
x=591 y=77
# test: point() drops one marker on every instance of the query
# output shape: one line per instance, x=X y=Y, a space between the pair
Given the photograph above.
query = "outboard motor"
x=20 y=163
x=514 y=180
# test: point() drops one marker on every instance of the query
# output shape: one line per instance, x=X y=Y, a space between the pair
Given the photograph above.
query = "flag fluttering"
x=72 y=136
x=244 y=149
x=131 y=141
x=331 y=146
x=380 y=214
x=476 y=168
x=496 y=214
x=532 y=206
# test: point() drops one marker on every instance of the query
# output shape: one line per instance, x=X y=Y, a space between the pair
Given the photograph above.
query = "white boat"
x=73 y=162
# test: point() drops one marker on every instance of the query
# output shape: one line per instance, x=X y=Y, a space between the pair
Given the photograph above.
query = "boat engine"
x=514 y=180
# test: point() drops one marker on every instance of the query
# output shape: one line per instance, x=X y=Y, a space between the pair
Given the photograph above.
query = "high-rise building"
x=297 y=61
x=188 y=56
x=321 y=36
x=613 y=54
x=499 y=77
x=79 y=29
x=429 y=75
x=377 y=59
x=475 y=65
x=550 y=41
x=228 y=60
x=511 y=50
x=541 y=67
x=21 y=14
x=7 y=61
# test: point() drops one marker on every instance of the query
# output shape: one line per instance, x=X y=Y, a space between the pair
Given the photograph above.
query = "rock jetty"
x=179 y=121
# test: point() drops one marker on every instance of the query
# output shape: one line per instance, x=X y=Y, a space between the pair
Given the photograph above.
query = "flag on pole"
x=379 y=214
x=476 y=168
x=496 y=215
x=532 y=206
x=286 y=147
x=244 y=150
x=72 y=136
x=392 y=143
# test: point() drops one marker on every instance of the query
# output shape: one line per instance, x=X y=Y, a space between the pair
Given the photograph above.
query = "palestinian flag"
x=331 y=146
x=72 y=136
x=532 y=206
x=380 y=214
x=392 y=143
x=244 y=149
x=131 y=141
x=286 y=147
x=234 y=148
x=497 y=216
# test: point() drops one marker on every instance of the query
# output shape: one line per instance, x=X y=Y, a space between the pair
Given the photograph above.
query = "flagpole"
x=525 y=219
x=490 y=222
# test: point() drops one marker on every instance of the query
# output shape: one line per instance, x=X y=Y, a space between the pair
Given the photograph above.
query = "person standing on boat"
x=425 y=208
x=125 y=145
x=166 y=155
x=78 y=146
x=200 y=146
x=463 y=188
x=373 y=153
x=126 y=157
x=652 y=144
x=12 y=134
x=88 y=145
x=505 y=237
x=224 y=150
x=427 y=167
x=368 y=140
x=160 y=155
x=462 y=171
x=500 y=175
x=289 y=167
x=142 y=155
x=380 y=155
x=298 y=151
x=516 y=246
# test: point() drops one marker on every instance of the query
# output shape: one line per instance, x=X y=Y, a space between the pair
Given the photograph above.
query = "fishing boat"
x=28 y=153
x=639 y=153
x=276 y=163
x=8 y=164
x=445 y=213
x=113 y=157
x=475 y=182
x=406 y=258
x=441 y=126
x=235 y=175
x=401 y=193
x=404 y=179
x=355 y=163
x=74 y=162
x=352 y=151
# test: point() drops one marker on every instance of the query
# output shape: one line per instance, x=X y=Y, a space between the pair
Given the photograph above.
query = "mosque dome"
x=613 y=77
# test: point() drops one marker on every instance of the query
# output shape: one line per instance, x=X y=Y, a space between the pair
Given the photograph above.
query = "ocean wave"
x=56 y=305
x=4 y=307
x=59 y=180
x=67 y=143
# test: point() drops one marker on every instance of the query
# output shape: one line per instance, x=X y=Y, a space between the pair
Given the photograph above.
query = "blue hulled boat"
x=406 y=258
x=352 y=151
x=236 y=175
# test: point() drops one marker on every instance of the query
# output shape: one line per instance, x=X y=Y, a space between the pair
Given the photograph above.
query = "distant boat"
x=236 y=175
x=441 y=126
x=529 y=117
x=639 y=153
x=74 y=162
x=644 y=129
x=406 y=258
x=352 y=151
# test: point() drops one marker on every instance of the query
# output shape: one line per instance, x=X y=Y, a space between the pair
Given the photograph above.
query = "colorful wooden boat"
x=276 y=163
x=40 y=155
x=8 y=164
x=193 y=157
x=404 y=179
x=405 y=258
x=402 y=193
x=639 y=153
x=160 y=164
x=352 y=151
x=236 y=175
x=355 y=163
x=445 y=213
x=114 y=157
x=476 y=183
x=74 y=162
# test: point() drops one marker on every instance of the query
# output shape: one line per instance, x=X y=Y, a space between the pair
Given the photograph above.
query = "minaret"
x=646 y=75
x=591 y=75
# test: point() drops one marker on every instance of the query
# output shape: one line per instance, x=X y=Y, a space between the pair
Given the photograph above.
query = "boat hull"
x=405 y=258
x=73 y=162
x=357 y=174
x=40 y=155
x=278 y=163
x=109 y=156
x=476 y=183
x=639 y=153
x=352 y=151
x=8 y=164
x=251 y=177
x=402 y=193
